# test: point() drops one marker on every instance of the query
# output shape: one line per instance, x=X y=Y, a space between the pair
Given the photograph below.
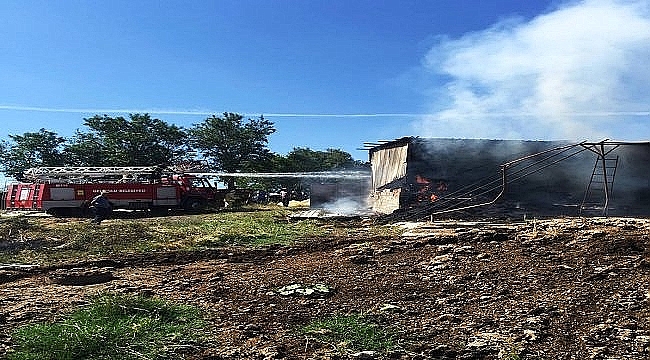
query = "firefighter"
x=102 y=207
x=284 y=197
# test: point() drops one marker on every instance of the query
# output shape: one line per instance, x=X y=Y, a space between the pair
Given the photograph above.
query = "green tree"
x=32 y=149
x=306 y=160
x=3 y=151
x=85 y=149
x=232 y=144
x=336 y=159
x=3 y=147
x=136 y=141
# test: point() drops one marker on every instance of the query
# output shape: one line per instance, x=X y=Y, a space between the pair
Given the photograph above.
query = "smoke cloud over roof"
x=579 y=71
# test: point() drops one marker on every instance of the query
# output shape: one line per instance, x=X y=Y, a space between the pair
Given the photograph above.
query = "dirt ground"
x=566 y=288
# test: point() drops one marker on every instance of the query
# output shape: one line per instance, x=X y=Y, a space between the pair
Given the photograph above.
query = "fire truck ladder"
x=125 y=173
x=35 y=196
x=601 y=184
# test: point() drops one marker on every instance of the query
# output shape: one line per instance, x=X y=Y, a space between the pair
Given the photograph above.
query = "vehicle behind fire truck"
x=67 y=191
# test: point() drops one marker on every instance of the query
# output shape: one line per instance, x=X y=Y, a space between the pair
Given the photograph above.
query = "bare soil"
x=566 y=288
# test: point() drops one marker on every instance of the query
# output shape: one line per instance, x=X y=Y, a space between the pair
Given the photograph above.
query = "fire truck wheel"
x=159 y=211
x=56 y=212
x=195 y=205
x=63 y=212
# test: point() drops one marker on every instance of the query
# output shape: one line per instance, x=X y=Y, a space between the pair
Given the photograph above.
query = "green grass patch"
x=128 y=235
x=114 y=327
x=50 y=241
x=258 y=229
x=350 y=333
x=54 y=243
x=11 y=227
x=15 y=237
x=237 y=228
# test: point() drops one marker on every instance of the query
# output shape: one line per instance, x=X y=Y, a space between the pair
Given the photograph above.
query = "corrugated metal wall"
x=388 y=165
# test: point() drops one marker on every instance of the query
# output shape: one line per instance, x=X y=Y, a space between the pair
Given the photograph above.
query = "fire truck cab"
x=67 y=191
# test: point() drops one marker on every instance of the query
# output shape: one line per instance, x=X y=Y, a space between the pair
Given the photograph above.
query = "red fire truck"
x=67 y=191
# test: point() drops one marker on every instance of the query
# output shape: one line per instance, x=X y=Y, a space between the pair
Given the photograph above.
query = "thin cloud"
x=303 y=115
x=103 y=111
x=188 y=112
x=578 y=71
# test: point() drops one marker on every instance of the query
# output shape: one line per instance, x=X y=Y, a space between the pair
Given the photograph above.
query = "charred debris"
x=417 y=178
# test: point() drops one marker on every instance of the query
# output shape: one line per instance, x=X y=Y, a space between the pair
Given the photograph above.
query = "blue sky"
x=335 y=73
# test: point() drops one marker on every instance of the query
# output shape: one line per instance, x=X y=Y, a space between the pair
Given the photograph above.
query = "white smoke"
x=346 y=206
x=578 y=72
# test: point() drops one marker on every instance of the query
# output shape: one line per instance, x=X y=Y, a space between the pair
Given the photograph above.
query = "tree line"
x=227 y=143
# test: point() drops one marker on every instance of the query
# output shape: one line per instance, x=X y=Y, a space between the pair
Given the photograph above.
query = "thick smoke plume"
x=577 y=72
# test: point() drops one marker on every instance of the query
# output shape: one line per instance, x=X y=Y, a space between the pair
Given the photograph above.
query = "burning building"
x=437 y=176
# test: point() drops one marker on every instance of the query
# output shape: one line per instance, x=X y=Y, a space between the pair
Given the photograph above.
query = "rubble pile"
x=565 y=288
